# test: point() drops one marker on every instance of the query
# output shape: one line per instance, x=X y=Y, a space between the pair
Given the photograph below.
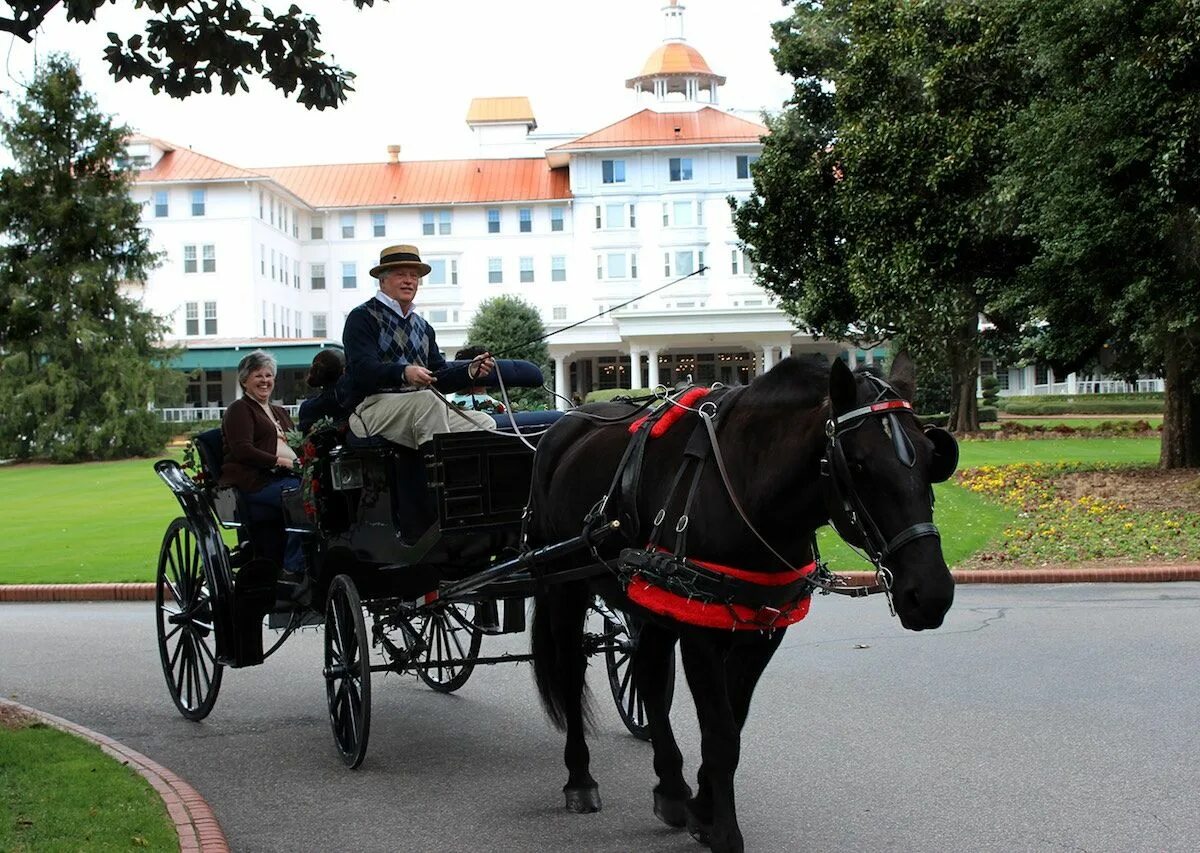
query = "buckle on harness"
x=767 y=616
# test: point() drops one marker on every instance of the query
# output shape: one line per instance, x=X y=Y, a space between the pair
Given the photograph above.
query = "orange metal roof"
x=183 y=164
x=487 y=110
x=675 y=58
x=649 y=128
x=423 y=182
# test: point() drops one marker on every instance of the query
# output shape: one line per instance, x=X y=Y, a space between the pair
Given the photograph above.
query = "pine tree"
x=79 y=361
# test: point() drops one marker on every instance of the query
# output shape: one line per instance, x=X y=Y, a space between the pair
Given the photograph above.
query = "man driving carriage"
x=392 y=359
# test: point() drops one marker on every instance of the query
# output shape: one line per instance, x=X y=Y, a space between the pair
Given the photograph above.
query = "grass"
x=60 y=793
x=93 y=522
x=1117 y=451
x=104 y=522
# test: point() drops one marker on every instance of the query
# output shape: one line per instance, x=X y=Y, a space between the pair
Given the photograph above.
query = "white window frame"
x=349 y=223
x=680 y=170
x=525 y=269
x=208 y=257
x=316 y=272
x=210 y=318
x=495 y=271
x=612 y=171
x=191 y=262
x=525 y=220
x=558 y=268
x=349 y=274
x=199 y=202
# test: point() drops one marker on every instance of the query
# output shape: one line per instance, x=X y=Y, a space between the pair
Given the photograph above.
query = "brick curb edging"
x=1048 y=575
x=199 y=831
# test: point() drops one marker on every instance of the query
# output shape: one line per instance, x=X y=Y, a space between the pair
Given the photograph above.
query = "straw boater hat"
x=400 y=256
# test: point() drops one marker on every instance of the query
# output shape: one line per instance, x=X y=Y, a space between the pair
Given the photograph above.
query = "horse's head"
x=878 y=472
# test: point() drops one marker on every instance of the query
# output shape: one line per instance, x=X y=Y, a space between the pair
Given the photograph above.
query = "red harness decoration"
x=672 y=414
x=728 y=617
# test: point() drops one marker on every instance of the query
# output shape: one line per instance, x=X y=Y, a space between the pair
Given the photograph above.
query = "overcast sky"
x=418 y=66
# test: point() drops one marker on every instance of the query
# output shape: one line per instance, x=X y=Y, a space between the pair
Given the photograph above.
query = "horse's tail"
x=559 y=662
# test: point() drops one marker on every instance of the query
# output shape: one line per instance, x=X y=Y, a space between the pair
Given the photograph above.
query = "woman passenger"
x=258 y=460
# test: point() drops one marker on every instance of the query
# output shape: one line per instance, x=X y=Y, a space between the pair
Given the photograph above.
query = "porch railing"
x=195 y=414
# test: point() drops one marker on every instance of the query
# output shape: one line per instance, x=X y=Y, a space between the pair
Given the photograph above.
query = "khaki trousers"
x=414 y=417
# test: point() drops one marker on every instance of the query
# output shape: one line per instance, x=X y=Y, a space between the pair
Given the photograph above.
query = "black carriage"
x=414 y=556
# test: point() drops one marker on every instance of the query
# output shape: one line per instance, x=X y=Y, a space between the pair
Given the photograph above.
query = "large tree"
x=188 y=45
x=1106 y=164
x=510 y=327
x=874 y=214
x=78 y=360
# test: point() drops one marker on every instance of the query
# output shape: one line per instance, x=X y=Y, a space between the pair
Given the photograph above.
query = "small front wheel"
x=450 y=645
x=347 y=671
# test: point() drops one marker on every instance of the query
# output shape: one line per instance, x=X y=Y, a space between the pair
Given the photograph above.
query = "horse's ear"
x=903 y=376
x=843 y=389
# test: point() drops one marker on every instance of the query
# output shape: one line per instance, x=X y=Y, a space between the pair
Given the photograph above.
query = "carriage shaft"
x=472 y=584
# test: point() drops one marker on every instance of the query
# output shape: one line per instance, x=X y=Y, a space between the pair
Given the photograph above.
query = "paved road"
x=1038 y=718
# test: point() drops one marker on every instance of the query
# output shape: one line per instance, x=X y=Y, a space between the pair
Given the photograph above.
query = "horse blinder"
x=945 y=454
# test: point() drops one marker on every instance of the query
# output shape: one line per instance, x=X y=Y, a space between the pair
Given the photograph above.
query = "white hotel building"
x=574 y=225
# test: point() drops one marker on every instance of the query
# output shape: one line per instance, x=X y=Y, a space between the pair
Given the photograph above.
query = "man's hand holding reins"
x=480 y=366
x=418 y=376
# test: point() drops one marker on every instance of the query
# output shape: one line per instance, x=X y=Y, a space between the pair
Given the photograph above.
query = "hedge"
x=605 y=394
x=1085 y=405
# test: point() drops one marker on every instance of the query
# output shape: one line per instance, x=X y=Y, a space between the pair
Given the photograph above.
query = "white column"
x=560 y=383
x=785 y=351
x=768 y=359
x=635 y=367
x=652 y=368
x=595 y=372
x=870 y=355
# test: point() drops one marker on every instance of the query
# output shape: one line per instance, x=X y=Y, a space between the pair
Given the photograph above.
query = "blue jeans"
x=270 y=498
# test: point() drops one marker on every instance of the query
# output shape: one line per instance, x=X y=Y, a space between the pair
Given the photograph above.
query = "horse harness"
x=711 y=595
x=670 y=583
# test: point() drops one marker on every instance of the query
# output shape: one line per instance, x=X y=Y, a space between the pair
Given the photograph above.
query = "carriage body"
x=413 y=556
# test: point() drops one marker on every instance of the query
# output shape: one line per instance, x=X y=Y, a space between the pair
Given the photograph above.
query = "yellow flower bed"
x=1052 y=528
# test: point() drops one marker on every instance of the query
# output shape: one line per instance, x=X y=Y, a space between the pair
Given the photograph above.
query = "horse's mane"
x=797 y=381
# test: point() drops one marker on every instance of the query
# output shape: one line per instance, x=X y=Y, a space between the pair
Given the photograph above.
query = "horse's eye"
x=857 y=467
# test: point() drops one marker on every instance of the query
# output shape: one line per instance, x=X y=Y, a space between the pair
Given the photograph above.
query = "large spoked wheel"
x=621 y=631
x=347 y=671
x=186 y=636
x=450 y=646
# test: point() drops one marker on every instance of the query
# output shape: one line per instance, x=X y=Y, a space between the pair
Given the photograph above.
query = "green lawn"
x=1118 y=451
x=60 y=793
x=99 y=521
x=104 y=521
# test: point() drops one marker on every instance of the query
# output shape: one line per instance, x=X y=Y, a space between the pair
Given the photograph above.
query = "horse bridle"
x=848 y=514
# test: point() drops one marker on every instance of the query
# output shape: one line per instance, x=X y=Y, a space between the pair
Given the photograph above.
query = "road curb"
x=1047 y=575
x=199 y=831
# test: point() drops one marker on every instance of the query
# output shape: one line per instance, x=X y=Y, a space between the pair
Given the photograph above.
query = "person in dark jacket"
x=258 y=460
x=326 y=374
x=392 y=357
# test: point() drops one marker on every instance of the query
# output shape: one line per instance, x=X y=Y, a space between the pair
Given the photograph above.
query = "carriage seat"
x=231 y=507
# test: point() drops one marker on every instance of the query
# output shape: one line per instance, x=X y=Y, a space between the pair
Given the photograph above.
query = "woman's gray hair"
x=253 y=362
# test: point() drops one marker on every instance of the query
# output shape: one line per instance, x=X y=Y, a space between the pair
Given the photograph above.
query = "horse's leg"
x=652 y=663
x=560 y=665
x=712 y=815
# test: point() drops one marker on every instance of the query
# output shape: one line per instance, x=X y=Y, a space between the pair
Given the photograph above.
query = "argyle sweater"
x=380 y=343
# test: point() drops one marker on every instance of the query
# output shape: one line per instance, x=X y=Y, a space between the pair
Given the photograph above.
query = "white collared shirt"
x=393 y=304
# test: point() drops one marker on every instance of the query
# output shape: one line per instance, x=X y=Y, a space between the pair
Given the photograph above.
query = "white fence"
x=194 y=414
x=1087 y=386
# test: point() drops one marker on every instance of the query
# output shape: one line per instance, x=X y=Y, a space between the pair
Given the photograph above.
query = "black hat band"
x=397 y=257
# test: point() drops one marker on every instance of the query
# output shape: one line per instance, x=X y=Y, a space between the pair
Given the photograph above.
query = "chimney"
x=393 y=153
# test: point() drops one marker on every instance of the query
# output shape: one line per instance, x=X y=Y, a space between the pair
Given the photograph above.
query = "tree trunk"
x=964 y=371
x=1181 y=412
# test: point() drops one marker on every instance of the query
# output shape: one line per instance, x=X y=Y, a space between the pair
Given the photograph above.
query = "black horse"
x=802 y=445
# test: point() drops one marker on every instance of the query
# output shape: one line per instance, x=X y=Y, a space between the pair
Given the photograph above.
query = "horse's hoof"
x=670 y=811
x=701 y=832
x=582 y=800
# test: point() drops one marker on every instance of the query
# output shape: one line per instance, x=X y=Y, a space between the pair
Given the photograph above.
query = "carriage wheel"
x=622 y=631
x=347 y=671
x=451 y=645
x=186 y=639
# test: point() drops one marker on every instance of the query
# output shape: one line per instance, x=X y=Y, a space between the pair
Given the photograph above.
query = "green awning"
x=227 y=358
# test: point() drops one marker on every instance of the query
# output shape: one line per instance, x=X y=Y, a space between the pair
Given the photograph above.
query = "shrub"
x=604 y=394
x=988 y=414
x=990 y=386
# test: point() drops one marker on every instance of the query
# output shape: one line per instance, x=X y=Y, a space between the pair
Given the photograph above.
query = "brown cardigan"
x=250 y=443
